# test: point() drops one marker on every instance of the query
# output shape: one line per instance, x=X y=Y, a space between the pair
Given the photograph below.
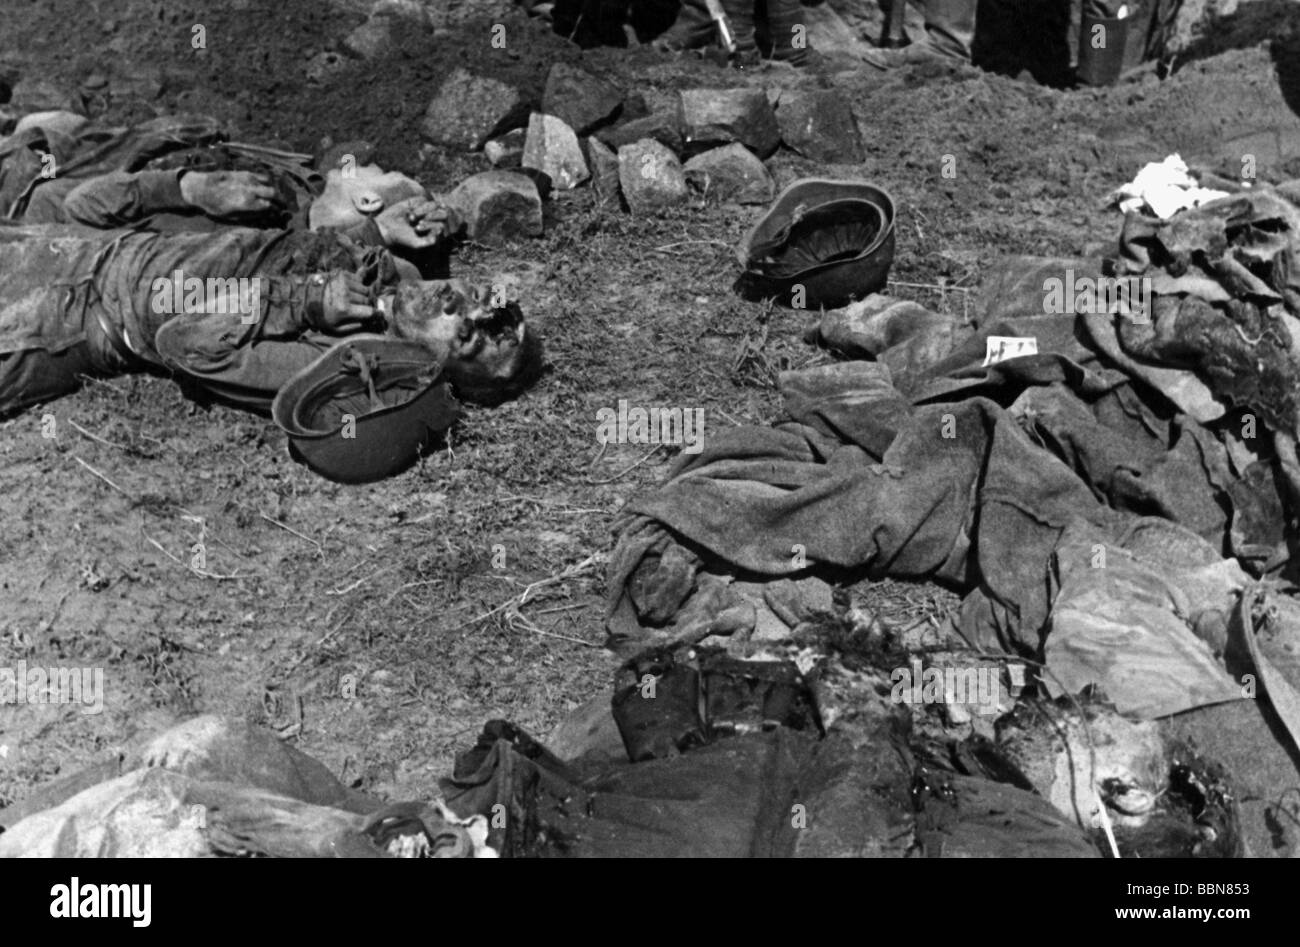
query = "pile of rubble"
x=645 y=152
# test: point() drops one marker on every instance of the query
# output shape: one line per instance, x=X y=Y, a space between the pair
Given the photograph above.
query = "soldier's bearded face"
x=457 y=323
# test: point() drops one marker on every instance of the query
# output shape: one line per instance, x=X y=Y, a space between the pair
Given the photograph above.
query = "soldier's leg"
x=788 y=31
x=35 y=376
x=741 y=15
x=949 y=34
x=950 y=25
x=692 y=29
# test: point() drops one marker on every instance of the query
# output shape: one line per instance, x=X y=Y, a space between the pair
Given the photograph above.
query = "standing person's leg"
x=1014 y=36
x=692 y=29
x=893 y=36
x=949 y=34
x=789 y=31
x=741 y=15
x=609 y=18
x=950 y=25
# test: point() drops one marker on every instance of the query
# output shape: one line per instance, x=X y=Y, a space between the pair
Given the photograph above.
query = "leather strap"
x=314 y=301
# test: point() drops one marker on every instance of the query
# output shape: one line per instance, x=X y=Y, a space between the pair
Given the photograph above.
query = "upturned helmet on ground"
x=822 y=243
x=365 y=409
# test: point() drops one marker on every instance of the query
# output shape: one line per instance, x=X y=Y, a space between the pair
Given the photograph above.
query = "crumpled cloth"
x=964 y=817
x=1133 y=617
x=954 y=486
x=213 y=786
x=1227 y=293
x=967 y=492
x=201 y=789
x=921 y=464
x=774 y=794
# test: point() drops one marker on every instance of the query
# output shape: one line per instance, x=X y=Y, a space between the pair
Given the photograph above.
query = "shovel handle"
x=719 y=17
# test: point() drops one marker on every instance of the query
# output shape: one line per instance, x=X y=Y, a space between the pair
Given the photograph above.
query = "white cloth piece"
x=1164 y=188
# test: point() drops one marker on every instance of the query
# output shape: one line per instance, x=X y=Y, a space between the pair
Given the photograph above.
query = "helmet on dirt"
x=365 y=409
x=835 y=239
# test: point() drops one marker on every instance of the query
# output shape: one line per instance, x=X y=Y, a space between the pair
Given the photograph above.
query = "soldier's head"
x=352 y=193
x=489 y=353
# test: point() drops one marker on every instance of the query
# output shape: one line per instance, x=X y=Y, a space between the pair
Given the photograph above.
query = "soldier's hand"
x=347 y=305
x=228 y=193
x=416 y=222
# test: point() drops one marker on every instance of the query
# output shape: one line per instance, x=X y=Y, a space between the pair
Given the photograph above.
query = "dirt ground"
x=366 y=623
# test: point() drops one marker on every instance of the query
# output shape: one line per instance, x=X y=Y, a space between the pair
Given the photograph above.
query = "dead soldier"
x=256 y=307
x=179 y=172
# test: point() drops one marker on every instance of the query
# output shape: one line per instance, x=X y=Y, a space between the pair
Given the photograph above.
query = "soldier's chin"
x=493 y=366
x=498 y=372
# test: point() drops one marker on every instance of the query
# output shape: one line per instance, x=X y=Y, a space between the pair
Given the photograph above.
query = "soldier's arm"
x=123 y=197
x=248 y=351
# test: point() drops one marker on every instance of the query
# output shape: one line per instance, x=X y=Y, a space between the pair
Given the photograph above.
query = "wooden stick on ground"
x=519 y=601
x=104 y=477
x=94 y=437
x=201 y=573
x=320 y=550
x=627 y=470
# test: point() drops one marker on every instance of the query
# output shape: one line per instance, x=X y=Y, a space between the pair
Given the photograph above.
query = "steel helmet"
x=833 y=238
x=365 y=409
